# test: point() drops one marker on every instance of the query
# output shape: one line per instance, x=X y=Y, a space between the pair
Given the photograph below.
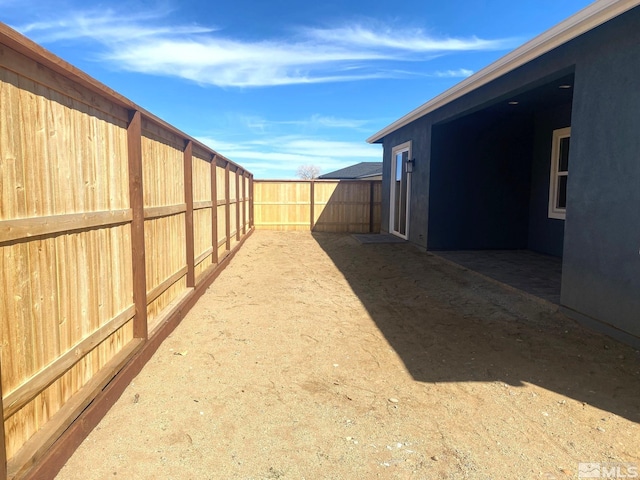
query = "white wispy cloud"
x=147 y=42
x=451 y=73
x=108 y=27
x=459 y=73
x=314 y=122
x=409 y=40
x=333 y=122
x=279 y=157
x=228 y=63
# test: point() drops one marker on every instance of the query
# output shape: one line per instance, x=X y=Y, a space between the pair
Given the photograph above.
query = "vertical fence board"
x=3 y=447
x=12 y=195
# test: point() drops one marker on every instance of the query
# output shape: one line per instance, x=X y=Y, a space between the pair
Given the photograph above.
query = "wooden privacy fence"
x=112 y=223
x=318 y=205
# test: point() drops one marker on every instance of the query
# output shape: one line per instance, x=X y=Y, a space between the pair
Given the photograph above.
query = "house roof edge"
x=581 y=22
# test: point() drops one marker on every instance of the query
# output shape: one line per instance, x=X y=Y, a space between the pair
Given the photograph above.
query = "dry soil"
x=315 y=357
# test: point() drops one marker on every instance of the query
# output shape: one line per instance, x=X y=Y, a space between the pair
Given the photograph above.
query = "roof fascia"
x=585 y=20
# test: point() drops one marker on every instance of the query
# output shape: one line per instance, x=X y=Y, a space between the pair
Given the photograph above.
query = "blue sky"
x=276 y=84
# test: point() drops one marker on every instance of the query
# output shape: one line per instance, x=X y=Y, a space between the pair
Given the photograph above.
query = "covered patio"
x=534 y=273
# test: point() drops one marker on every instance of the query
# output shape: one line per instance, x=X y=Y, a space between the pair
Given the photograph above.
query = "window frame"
x=555 y=174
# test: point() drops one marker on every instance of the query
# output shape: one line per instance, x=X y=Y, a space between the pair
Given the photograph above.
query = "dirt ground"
x=315 y=357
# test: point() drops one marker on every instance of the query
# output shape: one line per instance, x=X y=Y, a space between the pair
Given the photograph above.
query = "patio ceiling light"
x=565 y=86
x=513 y=102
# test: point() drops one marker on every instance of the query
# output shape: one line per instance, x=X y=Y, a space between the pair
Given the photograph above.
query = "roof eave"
x=586 y=19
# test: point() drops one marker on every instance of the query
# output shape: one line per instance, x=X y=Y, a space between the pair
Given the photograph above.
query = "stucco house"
x=541 y=151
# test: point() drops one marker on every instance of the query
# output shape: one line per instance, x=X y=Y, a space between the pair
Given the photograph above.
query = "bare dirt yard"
x=315 y=357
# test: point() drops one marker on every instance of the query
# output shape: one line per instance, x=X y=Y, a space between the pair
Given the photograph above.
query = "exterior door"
x=400 y=190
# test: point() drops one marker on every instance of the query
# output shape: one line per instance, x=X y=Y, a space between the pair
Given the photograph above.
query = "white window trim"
x=555 y=212
x=406 y=146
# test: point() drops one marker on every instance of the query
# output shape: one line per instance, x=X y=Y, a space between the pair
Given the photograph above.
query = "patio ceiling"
x=585 y=20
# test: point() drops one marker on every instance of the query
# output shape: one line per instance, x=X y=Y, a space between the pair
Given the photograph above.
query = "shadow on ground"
x=449 y=324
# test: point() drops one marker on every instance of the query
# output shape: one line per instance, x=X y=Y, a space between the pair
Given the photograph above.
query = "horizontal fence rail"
x=319 y=205
x=112 y=223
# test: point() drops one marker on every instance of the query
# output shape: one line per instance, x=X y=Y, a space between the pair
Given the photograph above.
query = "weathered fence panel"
x=112 y=222
x=319 y=205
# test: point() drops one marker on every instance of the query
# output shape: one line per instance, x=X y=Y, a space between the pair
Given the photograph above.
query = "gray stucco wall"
x=601 y=267
x=601 y=252
x=546 y=235
x=419 y=133
x=480 y=176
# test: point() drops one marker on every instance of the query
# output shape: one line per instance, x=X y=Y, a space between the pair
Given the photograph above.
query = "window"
x=559 y=173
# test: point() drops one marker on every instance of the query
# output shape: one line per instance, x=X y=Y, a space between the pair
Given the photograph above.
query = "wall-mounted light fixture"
x=409 y=165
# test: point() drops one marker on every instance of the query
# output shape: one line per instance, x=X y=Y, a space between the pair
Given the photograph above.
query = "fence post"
x=3 y=447
x=188 y=215
x=237 y=175
x=214 y=208
x=371 y=197
x=227 y=209
x=312 y=206
x=136 y=201
x=244 y=203
x=251 y=201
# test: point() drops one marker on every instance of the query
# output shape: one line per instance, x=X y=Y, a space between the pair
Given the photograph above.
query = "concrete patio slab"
x=534 y=273
x=378 y=238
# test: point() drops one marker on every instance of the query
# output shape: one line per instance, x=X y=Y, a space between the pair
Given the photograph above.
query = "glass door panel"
x=399 y=192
